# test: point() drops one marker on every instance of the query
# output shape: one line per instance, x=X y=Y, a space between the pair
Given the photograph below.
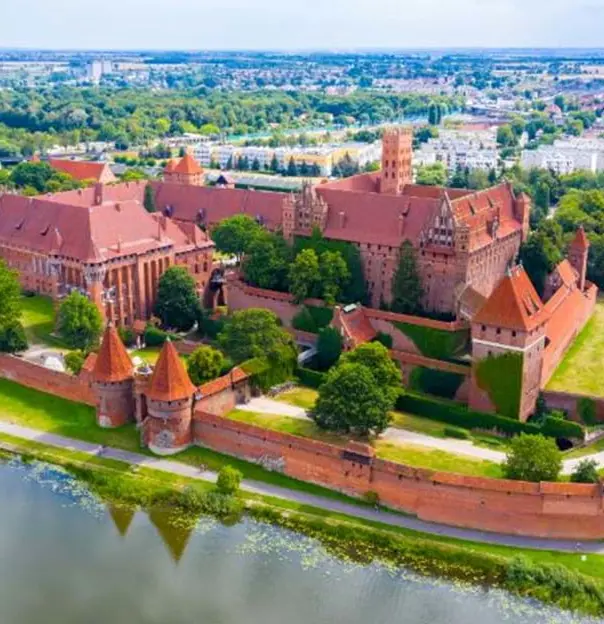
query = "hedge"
x=587 y=411
x=461 y=416
x=439 y=383
x=155 y=337
x=435 y=343
x=311 y=378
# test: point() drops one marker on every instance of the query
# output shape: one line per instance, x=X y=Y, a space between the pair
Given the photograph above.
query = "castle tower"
x=112 y=380
x=577 y=255
x=522 y=212
x=167 y=428
x=508 y=339
x=185 y=171
x=397 y=156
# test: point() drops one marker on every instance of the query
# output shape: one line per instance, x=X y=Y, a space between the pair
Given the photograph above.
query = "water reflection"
x=65 y=558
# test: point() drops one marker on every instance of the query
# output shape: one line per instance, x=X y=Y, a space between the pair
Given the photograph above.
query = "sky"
x=300 y=24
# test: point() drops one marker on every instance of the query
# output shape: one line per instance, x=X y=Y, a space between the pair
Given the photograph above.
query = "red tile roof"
x=355 y=326
x=187 y=165
x=580 y=241
x=222 y=383
x=113 y=364
x=83 y=169
x=514 y=304
x=170 y=380
x=87 y=232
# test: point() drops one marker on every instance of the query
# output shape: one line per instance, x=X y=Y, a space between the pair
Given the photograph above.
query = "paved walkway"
x=264 y=405
x=257 y=487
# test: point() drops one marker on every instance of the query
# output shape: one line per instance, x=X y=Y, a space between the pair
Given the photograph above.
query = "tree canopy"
x=407 y=288
x=79 y=322
x=329 y=347
x=533 y=458
x=304 y=275
x=266 y=262
x=432 y=175
x=236 y=234
x=205 y=364
x=177 y=302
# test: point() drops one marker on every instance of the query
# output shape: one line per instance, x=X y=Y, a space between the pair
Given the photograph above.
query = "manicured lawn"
x=421 y=457
x=410 y=454
x=299 y=396
x=38 y=318
x=581 y=369
x=151 y=354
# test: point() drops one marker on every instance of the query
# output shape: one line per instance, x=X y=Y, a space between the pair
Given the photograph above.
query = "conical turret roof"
x=187 y=165
x=580 y=241
x=113 y=364
x=170 y=380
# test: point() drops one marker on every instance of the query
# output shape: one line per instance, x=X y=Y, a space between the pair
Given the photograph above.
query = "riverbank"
x=568 y=580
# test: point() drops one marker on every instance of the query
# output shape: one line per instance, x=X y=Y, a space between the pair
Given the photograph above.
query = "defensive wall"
x=72 y=387
x=570 y=403
x=544 y=510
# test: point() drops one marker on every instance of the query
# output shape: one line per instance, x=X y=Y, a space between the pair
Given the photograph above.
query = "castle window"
x=484 y=328
x=498 y=331
x=513 y=334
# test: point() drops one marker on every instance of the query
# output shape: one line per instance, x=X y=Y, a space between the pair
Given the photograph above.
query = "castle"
x=103 y=242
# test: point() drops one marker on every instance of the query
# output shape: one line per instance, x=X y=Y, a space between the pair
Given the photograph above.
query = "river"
x=67 y=558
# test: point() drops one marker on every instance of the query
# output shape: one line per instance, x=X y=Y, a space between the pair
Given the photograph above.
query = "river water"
x=66 y=558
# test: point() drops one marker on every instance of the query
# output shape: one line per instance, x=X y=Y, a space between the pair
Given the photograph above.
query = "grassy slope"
x=593 y=565
x=581 y=369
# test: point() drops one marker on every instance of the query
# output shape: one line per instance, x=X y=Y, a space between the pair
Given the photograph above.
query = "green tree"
x=304 y=275
x=586 y=472
x=266 y=262
x=533 y=458
x=235 y=234
x=334 y=275
x=134 y=174
x=506 y=136
x=274 y=164
x=407 y=288
x=256 y=333
x=329 y=347
x=10 y=296
x=79 y=322
x=292 y=169
x=205 y=364
x=74 y=361
x=432 y=175
x=541 y=252
x=435 y=114
x=376 y=358
x=351 y=402
x=149 y=199
x=229 y=480
x=177 y=302
x=12 y=337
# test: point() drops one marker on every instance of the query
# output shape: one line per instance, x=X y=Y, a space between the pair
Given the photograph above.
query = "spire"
x=170 y=380
x=113 y=364
x=580 y=241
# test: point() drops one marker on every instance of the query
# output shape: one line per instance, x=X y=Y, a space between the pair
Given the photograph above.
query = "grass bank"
x=563 y=579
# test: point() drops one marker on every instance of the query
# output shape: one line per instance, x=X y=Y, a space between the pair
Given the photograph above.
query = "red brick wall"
x=35 y=376
x=555 y=510
x=570 y=403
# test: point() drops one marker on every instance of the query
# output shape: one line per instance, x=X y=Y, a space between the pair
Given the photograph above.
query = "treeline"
x=33 y=120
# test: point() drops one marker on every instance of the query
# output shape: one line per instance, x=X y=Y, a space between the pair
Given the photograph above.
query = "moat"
x=67 y=558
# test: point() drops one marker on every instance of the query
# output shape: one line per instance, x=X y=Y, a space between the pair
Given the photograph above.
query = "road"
x=257 y=487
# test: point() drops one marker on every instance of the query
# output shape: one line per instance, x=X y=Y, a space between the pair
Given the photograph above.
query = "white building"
x=566 y=156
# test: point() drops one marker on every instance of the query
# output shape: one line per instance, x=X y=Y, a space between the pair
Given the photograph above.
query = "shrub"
x=587 y=411
x=456 y=414
x=13 y=338
x=303 y=321
x=385 y=339
x=371 y=498
x=586 y=472
x=209 y=324
x=154 y=337
x=456 y=432
x=229 y=480
x=559 y=428
x=533 y=458
x=322 y=316
x=311 y=378
x=74 y=361
x=128 y=336
x=205 y=364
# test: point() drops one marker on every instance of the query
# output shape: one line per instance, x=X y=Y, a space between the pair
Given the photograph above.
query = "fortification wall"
x=35 y=376
x=546 y=510
x=569 y=402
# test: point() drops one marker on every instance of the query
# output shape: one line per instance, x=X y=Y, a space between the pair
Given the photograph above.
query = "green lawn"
x=151 y=354
x=300 y=396
x=403 y=453
x=38 y=318
x=46 y=412
x=581 y=369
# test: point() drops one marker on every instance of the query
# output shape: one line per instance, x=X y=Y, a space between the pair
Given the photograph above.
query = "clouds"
x=199 y=24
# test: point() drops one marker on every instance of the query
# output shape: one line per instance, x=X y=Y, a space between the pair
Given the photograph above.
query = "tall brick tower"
x=508 y=339
x=167 y=428
x=112 y=380
x=577 y=255
x=397 y=156
x=522 y=211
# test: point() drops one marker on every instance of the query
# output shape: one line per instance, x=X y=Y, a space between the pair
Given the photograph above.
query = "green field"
x=38 y=318
x=581 y=369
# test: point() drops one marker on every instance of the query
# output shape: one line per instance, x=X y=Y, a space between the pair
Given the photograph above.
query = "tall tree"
x=334 y=275
x=177 y=302
x=235 y=234
x=266 y=262
x=79 y=322
x=541 y=252
x=407 y=291
x=329 y=347
x=149 y=199
x=304 y=275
